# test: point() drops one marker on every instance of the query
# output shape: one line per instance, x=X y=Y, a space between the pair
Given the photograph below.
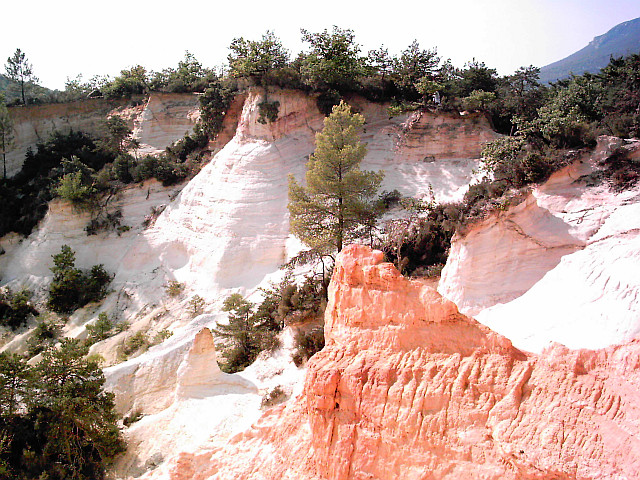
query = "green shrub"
x=45 y=335
x=56 y=421
x=161 y=336
x=71 y=188
x=620 y=171
x=275 y=396
x=196 y=305
x=72 y=288
x=173 y=288
x=103 y=328
x=138 y=342
x=327 y=100
x=268 y=111
x=24 y=198
x=415 y=244
x=15 y=308
x=133 y=418
x=105 y=221
x=307 y=343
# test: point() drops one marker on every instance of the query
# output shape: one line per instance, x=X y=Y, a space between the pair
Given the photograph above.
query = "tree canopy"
x=338 y=196
x=20 y=70
x=6 y=134
x=254 y=59
x=55 y=419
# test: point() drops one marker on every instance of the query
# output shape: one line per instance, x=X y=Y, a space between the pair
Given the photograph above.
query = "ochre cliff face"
x=408 y=388
x=434 y=136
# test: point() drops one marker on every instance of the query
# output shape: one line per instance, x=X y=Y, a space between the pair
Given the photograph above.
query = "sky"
x=65 y=38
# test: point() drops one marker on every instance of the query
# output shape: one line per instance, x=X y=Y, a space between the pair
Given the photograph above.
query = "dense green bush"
x=268 y=111
x=24 y=198
x=254 y=328
x=416 y=243
x=56 y=421
x=71 y=287
x=15 y=308
x=103 y=328
x=45 y=335
x=307 y=343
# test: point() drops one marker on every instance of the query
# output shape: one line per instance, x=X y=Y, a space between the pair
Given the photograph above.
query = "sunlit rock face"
x=165 y=119
x=233 y=214
x=157 y=122
x=408 y=388
x=560 y=266
x=225 y=230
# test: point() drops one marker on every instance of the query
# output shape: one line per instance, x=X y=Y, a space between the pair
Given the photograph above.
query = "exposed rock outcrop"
x=162 y=120
x=408 y=388
x=560 y=266
x=181 y=398
x=166 y=118
x=227 y=230
x=34 y=123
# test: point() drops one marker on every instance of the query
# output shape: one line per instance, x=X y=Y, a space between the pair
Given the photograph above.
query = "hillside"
x=380 y=373
x=620 y=41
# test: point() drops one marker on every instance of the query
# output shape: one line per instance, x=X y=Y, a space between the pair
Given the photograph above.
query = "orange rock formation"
x=408 y=388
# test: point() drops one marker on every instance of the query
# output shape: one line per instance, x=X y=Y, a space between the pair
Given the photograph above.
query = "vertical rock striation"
x=561 y=266
x=408 y=388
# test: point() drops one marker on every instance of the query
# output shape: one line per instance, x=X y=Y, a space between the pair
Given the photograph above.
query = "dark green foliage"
x=509 y=161
x=252 y=329
x=476 y=76
x=15 y=308
x=268 y=111
x=101 y=329
x=117 y=139
x=620 y=171
x=307 y=343
x=45 y=335
x=241 y=334
x=72 y=288
x=189 y=143
x=621 y=96
x=338 y=198
x=129 y=82
x=424 y=241
x=105 y=221
x=133 y=418
x=213 y=106
x=136 y=342
x=327 y=100
x=301 y=303
x=15 y=379
x=390 y=199
x=20 y=71
x=255 y=59
x=189 y=76
x=414 y=64
x=333 y=61
x=58 y=421
x=274 y=397
x=24 y=198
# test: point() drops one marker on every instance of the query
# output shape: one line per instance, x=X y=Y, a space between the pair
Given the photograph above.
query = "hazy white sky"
x=70 y=37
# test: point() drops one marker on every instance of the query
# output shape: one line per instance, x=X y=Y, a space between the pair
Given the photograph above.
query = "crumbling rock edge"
x=409 y=388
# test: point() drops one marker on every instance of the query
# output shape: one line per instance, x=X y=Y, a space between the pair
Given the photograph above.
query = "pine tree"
x=243 y=341
x=6 y=134
x=338 y=196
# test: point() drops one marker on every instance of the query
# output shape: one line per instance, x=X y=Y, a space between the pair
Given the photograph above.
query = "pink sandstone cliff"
x=409 y=388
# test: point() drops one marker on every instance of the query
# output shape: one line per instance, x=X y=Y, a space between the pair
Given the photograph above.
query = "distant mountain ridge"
x=620 y=41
